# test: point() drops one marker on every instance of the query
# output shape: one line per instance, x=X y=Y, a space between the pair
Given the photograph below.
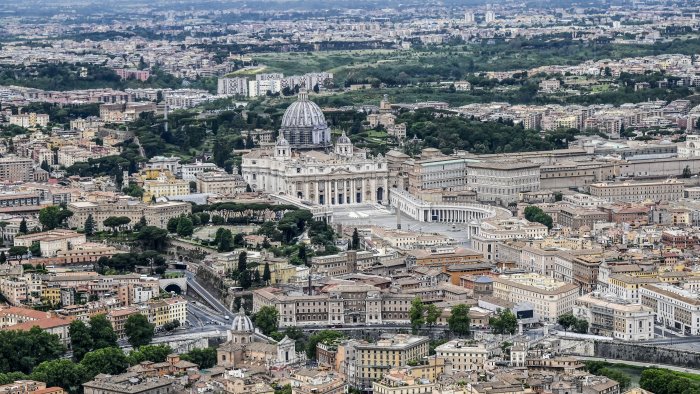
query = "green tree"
x=217 y=220
x=172 y=225
x=504 y=322
x=153 y=238
x=581 y=326
x=226 y=241
x=109 y=360
x=567 y=320
x=432 y=314
x=80 y=339
x=415 y=314
x=23 y=226
x=458 y=322
x=62 y=373
x=244 y=279
x=238 y=240
x=185 y=228
x=89 y=225
x=35 y=249
x=18 y=252
x=154 y=353
x=204 y=218
x=24 y=350
x=267 y=275
x=204 y=358
x=50 y=217
x=115 y=222
x=138 y=330
x=686 y=172
x=536 y=214
x=355 y=239
x=323 y=336
x=242 y=261
x=267 y=319
x=3 y=257
x=102 y=333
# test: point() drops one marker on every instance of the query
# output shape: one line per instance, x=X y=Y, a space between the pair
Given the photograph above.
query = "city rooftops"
x=535 y=282
x=505 y=165
x=396 y=342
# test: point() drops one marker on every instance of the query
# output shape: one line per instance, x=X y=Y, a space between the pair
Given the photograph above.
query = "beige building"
x=550 y=298
x=465 y=357
x=128 y=383
x=220 y=183
x=156 y=214
x=398 y=382
x=615 y=318
x=373 y=359
x=502 y=182
x=16 y=169
x=675 y=307
x=164 y=185
x=52 y=242
x=341 y=304
x=631 y=191
x=30 y=120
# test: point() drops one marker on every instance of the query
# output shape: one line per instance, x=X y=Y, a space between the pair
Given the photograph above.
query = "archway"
x=173 y=287
x=300 y=195
x=380 y=194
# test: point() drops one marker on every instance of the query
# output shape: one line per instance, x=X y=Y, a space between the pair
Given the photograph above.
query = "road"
x=208 y=297
x=639 y=364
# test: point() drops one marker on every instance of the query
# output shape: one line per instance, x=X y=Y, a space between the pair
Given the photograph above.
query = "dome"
x=303 y=113
x=343 y=139
x=281 y=141
x=242 y=323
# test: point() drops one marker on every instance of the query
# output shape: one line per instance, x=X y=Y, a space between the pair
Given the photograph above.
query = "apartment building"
x=30 y=120
x=156 y=214
x=492 y=232
x=674 y=307
x=464 y=356
x=400 y=382
x=442 y=256
x=374 y=359
x=232 y=87
x=16 y=169
x=550 y=298
x=502 y=182
x=632 y=191
x=124 y=112
x=616 y=318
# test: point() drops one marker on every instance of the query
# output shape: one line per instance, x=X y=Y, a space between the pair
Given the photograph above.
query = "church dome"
x=303 y=113
x=343 y=139
x=242 y=323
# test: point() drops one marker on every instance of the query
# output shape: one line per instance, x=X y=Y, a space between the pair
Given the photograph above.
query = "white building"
x=549 y=297
x=345 y=176
x=675 y=307
x=232 y=87
x=463 y=356
x=615 y=317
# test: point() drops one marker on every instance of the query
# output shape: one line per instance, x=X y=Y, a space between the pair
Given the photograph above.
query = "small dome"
x=281 y=141
x=343 y=139
x=303 y=113
x=241 y=323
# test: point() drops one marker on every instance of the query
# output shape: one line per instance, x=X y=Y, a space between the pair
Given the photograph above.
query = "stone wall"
x=647 y=354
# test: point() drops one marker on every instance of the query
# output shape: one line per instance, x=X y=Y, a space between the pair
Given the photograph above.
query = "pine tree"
x=242 y=261
x=89 y=225
x=267 y=275
x=244 y=279
x=3 y=258
x=256 y=276
x=355 y=239
x=23 y=226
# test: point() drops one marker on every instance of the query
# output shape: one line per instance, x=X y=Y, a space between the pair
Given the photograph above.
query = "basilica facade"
x=342 y=176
